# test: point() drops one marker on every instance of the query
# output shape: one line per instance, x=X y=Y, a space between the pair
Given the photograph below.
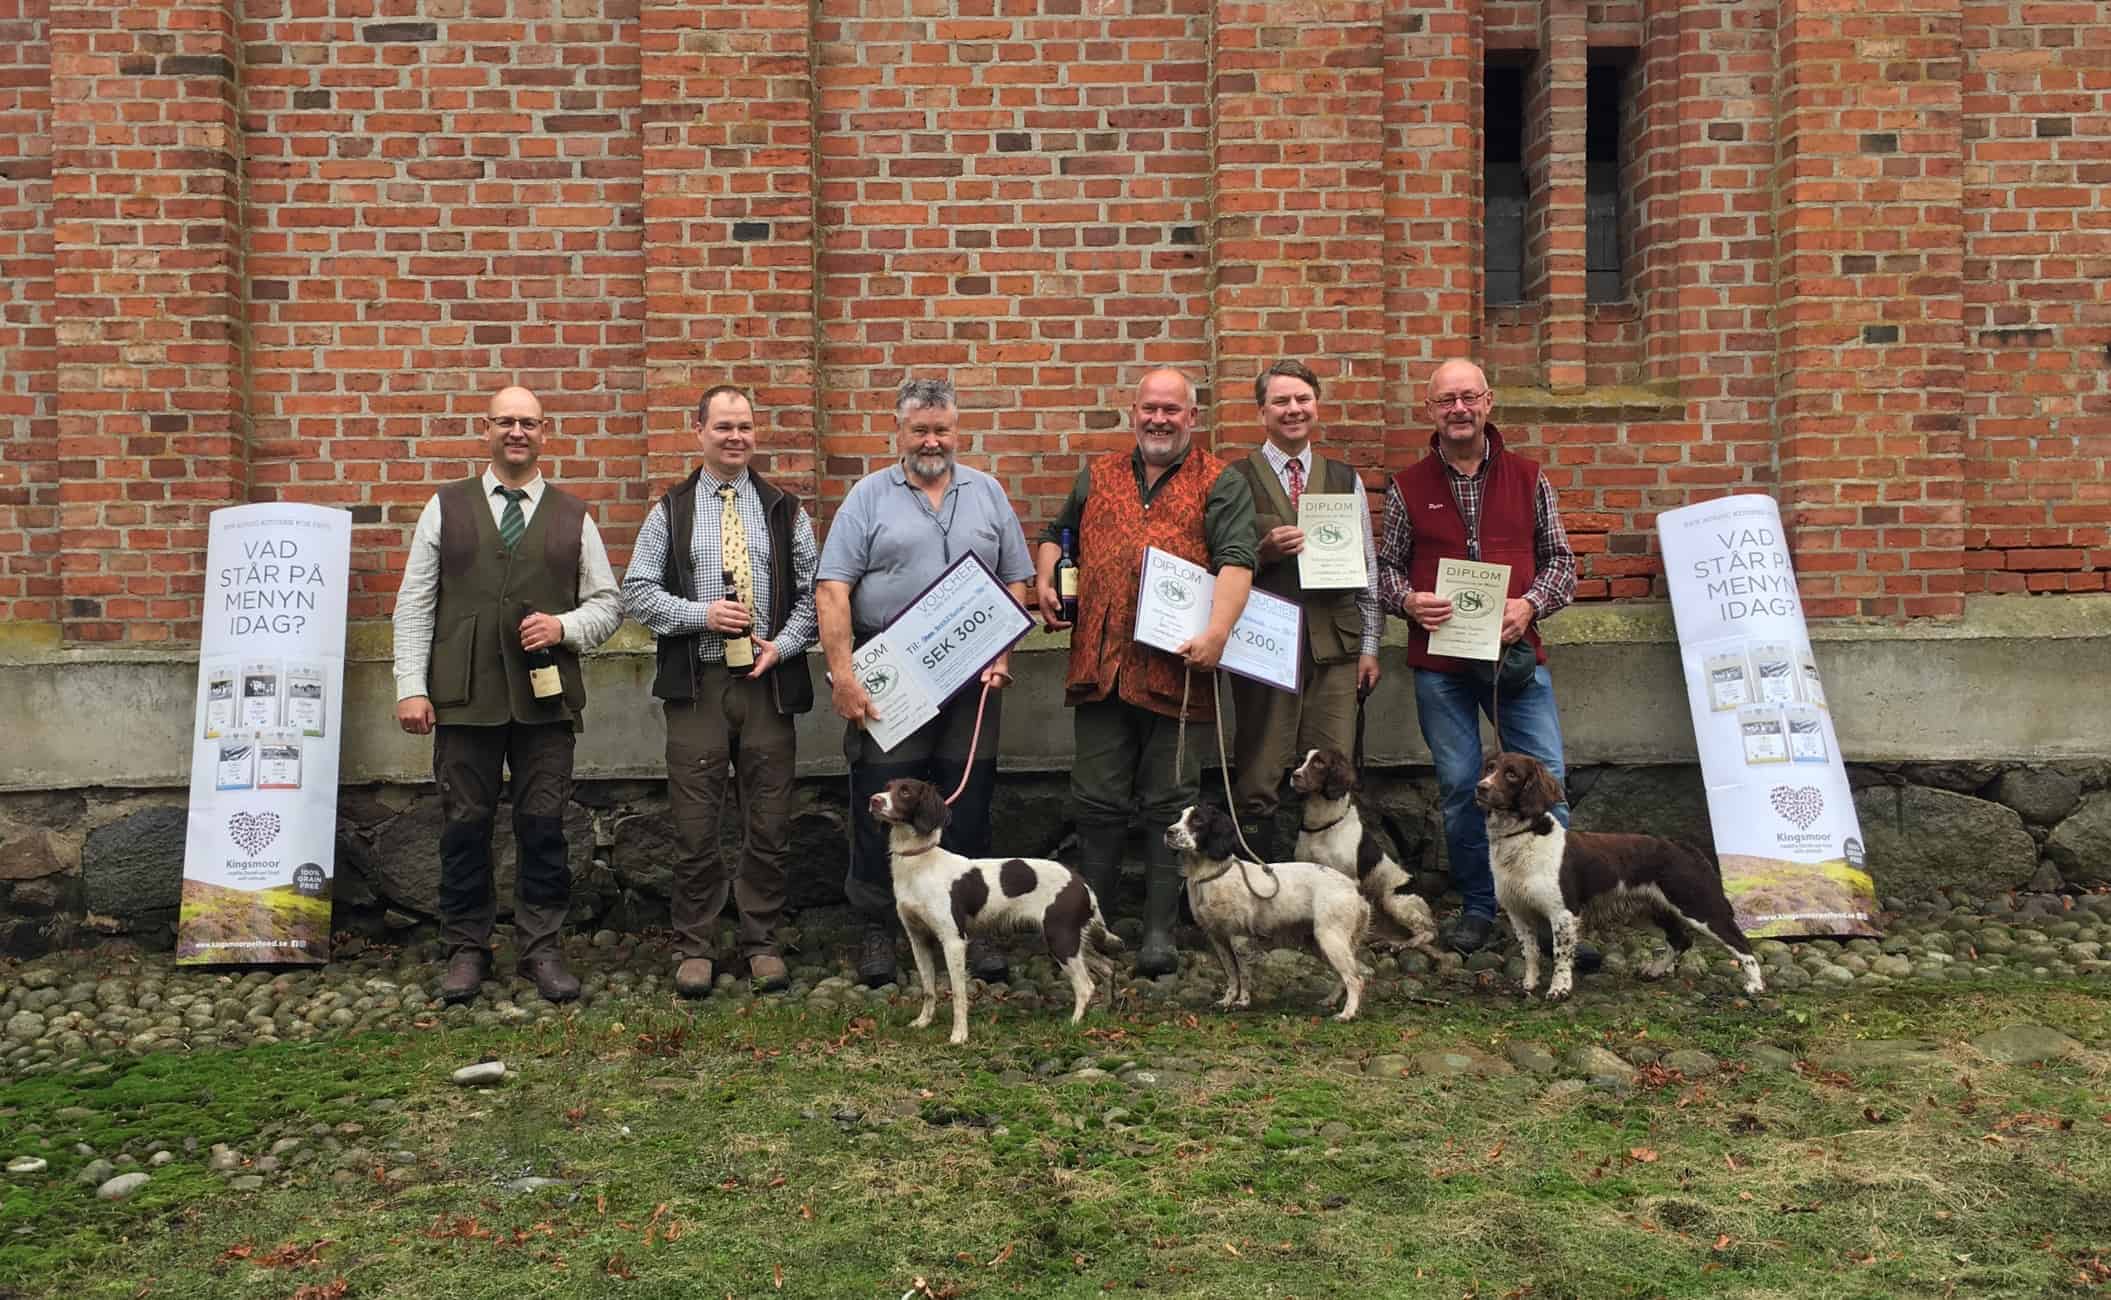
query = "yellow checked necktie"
x=733 y=550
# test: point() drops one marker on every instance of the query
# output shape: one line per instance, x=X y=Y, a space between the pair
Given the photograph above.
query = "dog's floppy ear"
x=1337 y=775
x=1539 y=791
x=1216 y=834
x=928 y=813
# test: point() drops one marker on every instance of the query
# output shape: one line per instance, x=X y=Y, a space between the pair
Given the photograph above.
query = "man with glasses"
x=727 y=521
x=501 y=565
x=897 y=530
x=1471 y=498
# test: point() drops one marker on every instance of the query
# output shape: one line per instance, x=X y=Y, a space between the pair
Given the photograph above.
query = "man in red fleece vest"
x=1470 y=498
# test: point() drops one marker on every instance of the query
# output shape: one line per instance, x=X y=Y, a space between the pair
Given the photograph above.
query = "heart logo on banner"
x=253 y=830
x=1801 y=804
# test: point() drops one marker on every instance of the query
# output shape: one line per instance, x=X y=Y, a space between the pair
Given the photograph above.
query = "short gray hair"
x=927 y=394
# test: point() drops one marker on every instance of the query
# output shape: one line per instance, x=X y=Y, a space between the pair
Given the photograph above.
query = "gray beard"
x=930 y=468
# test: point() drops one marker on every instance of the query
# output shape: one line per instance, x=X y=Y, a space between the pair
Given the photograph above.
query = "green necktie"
x=513 y=523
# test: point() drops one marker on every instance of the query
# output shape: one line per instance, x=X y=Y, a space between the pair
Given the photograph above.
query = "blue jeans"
x=1450 y=705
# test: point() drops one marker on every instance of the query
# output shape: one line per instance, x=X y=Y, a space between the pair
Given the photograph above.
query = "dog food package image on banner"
x=261 y=842
x=1779 y=807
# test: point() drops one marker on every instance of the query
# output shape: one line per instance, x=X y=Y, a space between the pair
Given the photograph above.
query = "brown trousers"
x=732 y=720
x=1275 y=728
x=467 y=765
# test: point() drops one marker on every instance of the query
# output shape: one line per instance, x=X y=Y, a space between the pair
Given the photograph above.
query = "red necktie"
x=1297 y=481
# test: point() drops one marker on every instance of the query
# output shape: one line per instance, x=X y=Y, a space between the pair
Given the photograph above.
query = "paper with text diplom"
x=1172 y=608
x=1332 y=523
x=1477 y=592
x=959 y=626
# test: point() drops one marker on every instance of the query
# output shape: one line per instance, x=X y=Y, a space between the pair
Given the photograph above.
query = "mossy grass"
x=757 y=1150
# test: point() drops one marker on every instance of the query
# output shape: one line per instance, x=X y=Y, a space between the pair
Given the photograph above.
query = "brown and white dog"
x=1544 y=870
x=1287 y=904
x=942 y=898
x=1332 y=834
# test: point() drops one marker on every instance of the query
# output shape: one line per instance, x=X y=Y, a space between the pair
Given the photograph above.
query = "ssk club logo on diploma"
x=262 y=835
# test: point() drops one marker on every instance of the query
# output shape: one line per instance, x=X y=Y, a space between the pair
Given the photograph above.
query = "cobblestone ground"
x=68 y=1010
x=80 y=1012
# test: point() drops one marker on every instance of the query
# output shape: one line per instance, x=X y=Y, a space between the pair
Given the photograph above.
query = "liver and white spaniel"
x=942 y=898
x=1543 y=870
x=1332 y=833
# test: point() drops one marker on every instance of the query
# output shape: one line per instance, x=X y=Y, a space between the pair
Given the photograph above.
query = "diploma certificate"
x=959 y=626
x=1332 y=523
x=1476 y=592
x=1172 y=608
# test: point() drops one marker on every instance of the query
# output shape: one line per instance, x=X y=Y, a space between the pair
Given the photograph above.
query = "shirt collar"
x=1277 y=459
x=533 y=486
x=710 y=483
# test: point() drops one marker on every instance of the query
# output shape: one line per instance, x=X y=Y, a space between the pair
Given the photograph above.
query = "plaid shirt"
x=667 y=614
x=1552 y=588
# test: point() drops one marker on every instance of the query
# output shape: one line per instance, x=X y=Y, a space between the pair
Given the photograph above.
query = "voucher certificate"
x=959 y=626
x=1332 y=523
x=1476 y=592
x=1172 y=608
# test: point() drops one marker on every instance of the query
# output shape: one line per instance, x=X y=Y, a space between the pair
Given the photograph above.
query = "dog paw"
x=1557 y=994
x=1343 y=1016
x=958 y=1038
x=1243 y=1002
x=1656 y=969
x=921 y=1022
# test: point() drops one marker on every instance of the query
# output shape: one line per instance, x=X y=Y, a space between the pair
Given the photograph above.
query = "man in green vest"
x=1342 y=624
x=503 y=568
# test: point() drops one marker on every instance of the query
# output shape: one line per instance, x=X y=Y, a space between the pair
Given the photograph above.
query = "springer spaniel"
x=943 y=897
x=1331 y=832
x=1287 y=904
x=1544 y=870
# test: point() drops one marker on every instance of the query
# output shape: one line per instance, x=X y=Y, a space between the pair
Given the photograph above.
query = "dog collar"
x=1328 y=827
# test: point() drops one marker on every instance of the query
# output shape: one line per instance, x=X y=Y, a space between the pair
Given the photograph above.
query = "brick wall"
x=29 y=537
x=2037 y=296
x=257 y=249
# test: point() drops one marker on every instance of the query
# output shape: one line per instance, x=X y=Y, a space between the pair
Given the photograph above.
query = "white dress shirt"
x=600 y=609
x=1366 y=600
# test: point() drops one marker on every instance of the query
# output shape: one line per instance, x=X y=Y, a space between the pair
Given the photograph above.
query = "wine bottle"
x=740 y=649
x=1066 y=576
x=543 y=678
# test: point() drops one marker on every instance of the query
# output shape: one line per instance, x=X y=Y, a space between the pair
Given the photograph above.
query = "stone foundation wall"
x=83 y=867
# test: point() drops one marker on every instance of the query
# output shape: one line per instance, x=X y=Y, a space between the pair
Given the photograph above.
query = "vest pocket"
x=453 y=654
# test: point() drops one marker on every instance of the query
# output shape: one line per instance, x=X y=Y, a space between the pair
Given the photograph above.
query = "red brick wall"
x=286 y=248
x=1019 y=200
x=2037 y=297
x=436 y=208
x=29 y=537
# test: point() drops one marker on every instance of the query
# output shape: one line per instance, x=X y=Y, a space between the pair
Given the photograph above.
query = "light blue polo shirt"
x=889 y=544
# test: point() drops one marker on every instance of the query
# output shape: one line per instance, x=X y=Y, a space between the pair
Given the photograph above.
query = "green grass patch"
x=717 y=1150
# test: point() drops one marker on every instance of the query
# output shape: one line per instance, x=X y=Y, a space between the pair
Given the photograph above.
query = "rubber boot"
x=1163 y=884
x=1099 y=862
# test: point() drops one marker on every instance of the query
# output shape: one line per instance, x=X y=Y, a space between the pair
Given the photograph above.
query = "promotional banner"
x=263 y=815
x=1778 y=798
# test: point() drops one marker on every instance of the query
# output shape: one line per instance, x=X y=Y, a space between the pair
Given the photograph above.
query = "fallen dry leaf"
x=1004 y=1254
x=777 y=1276
x=1647 y=1155
x=334 y=1289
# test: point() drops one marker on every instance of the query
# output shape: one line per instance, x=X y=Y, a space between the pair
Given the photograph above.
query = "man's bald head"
x=515 y=426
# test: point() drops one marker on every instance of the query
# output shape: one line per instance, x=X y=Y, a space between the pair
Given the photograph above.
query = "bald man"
x=1472 y=498
x=502 y=565
x=1126 y=697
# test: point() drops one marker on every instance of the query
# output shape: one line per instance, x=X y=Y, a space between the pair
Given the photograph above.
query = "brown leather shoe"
x=465 y=974
x=552 y=980
x=768 y=972
x=694 y=977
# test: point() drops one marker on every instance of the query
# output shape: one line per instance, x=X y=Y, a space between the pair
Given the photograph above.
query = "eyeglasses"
x=525 y=423
x=1446 y=401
